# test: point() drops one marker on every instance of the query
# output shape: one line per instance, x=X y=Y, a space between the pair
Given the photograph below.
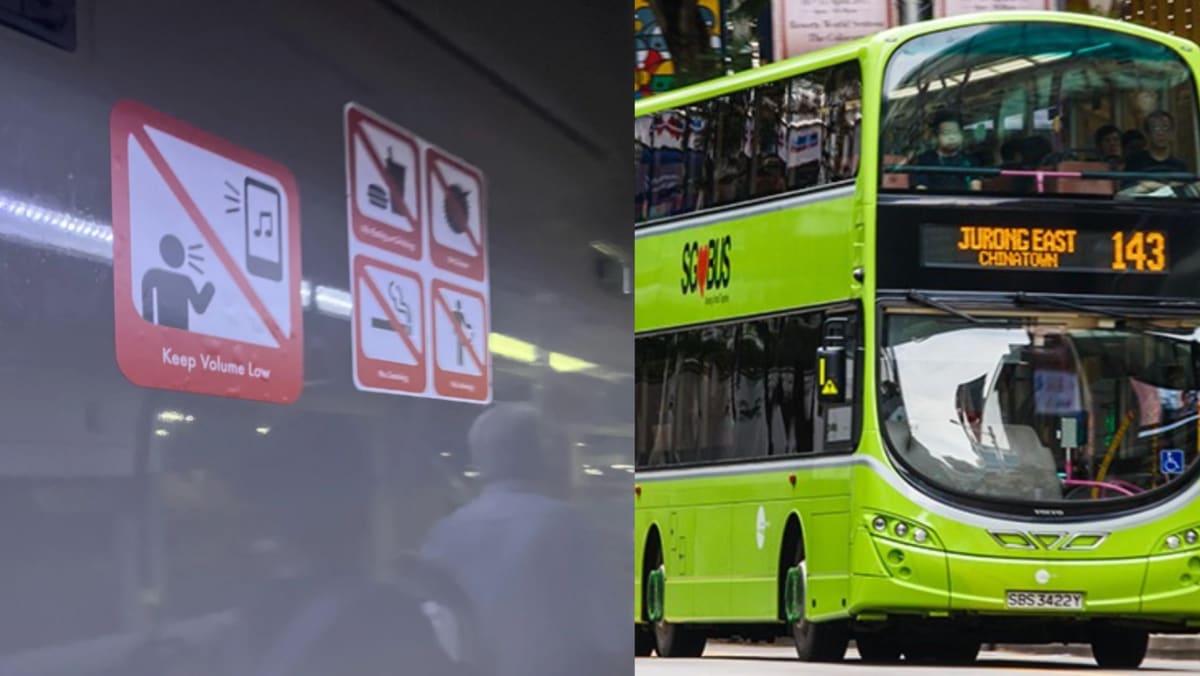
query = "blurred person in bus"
x=1132 y=142
x=947 y=152
x=528 y=560
x=1157 y=156
x=1109 y=148
x=314 y=610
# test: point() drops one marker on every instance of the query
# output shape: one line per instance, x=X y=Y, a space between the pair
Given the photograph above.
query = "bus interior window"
x=805 y=103
x=1034 y=101
x=730 y=164
x=842 y=118
x=768 y=171
x=697 y=170
x=643 y=160
x=666 y=185
x=653 y=399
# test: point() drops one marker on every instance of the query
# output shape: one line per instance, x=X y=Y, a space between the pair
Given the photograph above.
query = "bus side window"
x=643 y=163
x=843 y=118
x=715 y=427
x=769 y=167
x=653 y=399
x=806 y=100
x=727 y=155
x=667 y=182
x=698 y=137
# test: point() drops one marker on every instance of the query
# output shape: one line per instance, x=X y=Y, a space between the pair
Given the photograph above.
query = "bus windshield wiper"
x=1023 y=298
x=923 y=299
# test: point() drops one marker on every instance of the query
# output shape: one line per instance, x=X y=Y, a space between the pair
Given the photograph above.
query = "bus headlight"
x=1190 y=537
x=919 y=535
x=901 y=529
x=879 y=523
x=1172 y=542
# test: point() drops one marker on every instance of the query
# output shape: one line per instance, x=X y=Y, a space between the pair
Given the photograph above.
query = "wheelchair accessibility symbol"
x=1170 y=461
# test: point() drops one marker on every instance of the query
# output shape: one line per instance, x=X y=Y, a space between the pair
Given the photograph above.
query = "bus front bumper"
x=893 y=577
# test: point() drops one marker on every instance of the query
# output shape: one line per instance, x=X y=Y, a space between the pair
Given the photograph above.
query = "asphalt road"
x=722 y=659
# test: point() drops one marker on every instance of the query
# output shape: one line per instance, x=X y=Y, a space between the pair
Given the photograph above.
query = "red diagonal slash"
x=437 y=175
x=462 y=337
x=397 y=325
x=387 y=178
x=207 y=232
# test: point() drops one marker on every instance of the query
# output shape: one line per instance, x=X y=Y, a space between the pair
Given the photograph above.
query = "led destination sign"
x=1043 y=249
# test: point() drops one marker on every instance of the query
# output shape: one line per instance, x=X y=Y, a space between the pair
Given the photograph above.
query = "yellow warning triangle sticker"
x=829 y=388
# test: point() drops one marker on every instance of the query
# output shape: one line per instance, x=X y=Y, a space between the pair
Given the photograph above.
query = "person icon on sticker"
x=466 y=329
x=167 y=296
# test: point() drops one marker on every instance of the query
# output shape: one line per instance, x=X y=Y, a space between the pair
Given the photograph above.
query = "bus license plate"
x=1045 y=600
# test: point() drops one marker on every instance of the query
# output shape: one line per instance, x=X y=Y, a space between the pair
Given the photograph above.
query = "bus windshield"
x=1041 y=410
x=1024 y=108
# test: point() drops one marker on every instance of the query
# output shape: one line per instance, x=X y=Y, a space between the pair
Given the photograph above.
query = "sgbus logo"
x=706 y=267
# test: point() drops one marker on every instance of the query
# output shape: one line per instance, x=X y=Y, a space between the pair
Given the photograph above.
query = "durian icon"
x=457 y=209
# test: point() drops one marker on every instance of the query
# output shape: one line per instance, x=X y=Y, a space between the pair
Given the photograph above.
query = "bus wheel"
x=1119 y=648
x=678 y=640
x=815 y=641
x=878 y=647
x=643 y=640
x=670 y=640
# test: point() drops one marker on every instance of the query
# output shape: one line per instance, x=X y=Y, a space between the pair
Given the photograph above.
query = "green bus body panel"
x=777 y=260
x=722 y=561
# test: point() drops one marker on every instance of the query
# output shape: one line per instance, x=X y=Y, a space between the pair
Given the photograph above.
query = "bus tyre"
x=815 y=641
x=878 y=648
x=1119 y=647
x=643 y=640
x=678 y=640
x=670 y=640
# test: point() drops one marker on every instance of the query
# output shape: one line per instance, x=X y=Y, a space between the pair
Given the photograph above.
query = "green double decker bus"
x=917 y=356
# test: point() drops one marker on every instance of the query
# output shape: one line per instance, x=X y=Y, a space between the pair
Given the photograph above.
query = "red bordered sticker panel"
x=383 y=170
x=389 y=328
x=206 y=262
x=457 y=201
x=462 y=361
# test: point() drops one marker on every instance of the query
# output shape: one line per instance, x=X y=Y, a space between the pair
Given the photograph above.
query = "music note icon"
x=266 y=221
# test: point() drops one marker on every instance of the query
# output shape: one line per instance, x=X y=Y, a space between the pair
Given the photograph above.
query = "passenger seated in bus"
x=1010 y=154
x=1132 y=143
x=1109 y=147
x=1035 y=151
x=1157 y=157
x=948 y=153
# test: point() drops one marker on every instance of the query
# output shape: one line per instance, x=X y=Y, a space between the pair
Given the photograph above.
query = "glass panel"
x=729 y=154
x=652 y=398
x=770 y=141
x=754 y=349
x=806 y=101
x=698 y=180
x=843 y=120
x=666 y=185
x=643 y=163
x=1047 y=411
x=1020 y=108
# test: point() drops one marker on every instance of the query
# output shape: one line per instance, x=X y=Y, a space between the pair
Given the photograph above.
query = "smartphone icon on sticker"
x=264 y=230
